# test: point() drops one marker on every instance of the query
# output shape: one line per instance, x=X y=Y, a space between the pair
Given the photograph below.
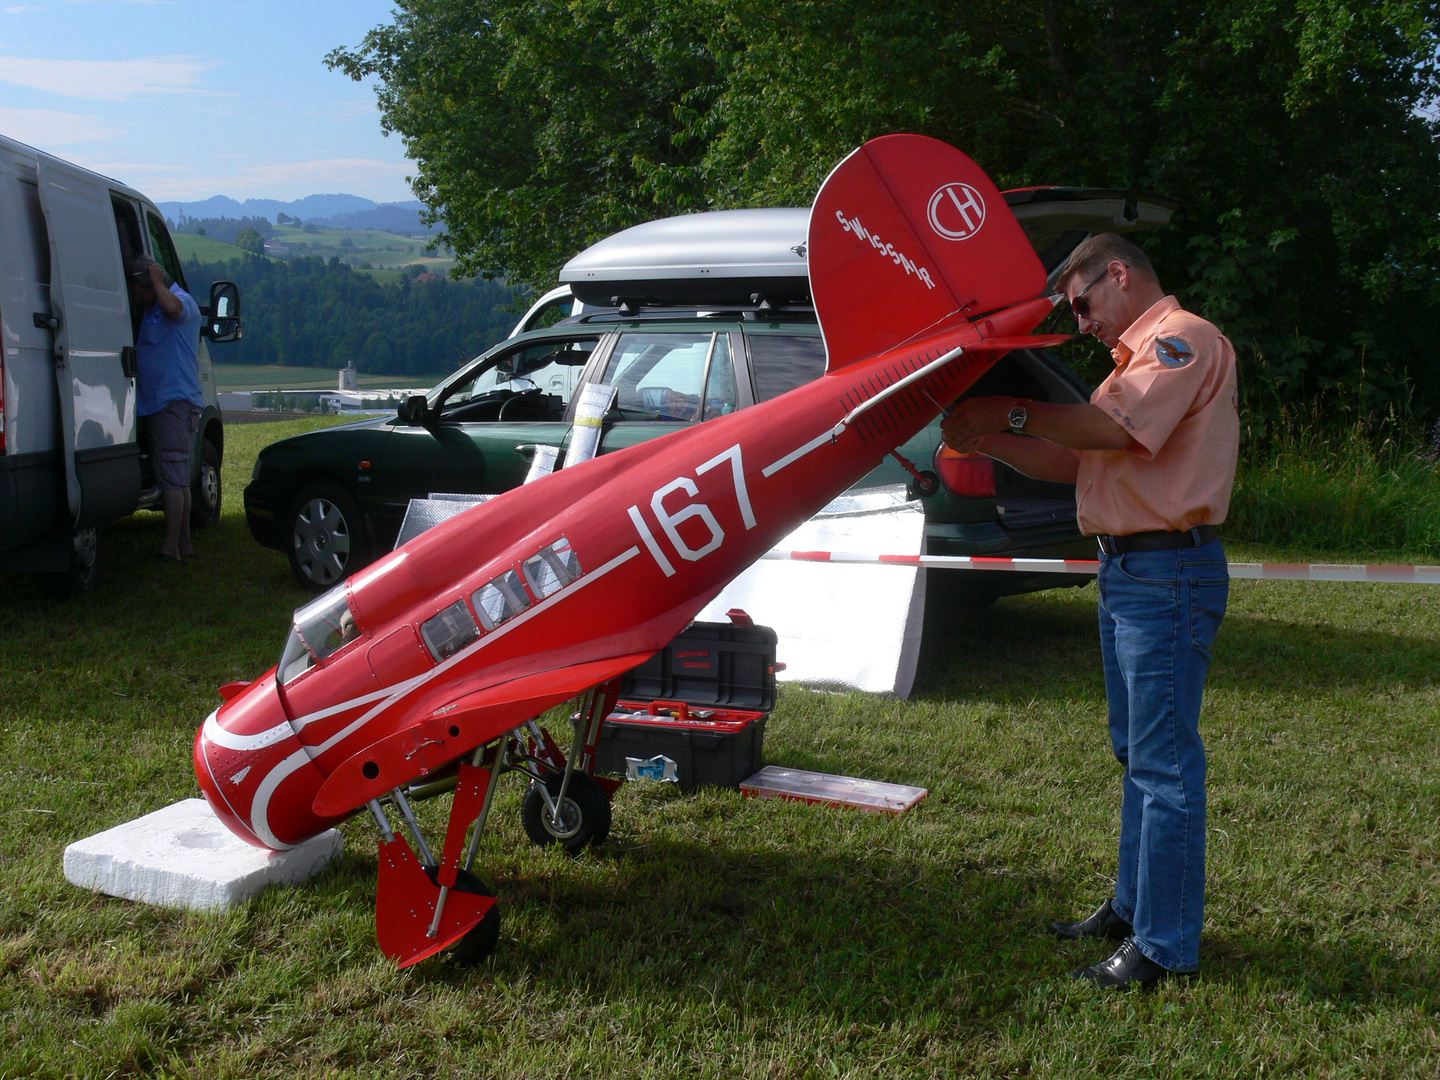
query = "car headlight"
x=255 y=472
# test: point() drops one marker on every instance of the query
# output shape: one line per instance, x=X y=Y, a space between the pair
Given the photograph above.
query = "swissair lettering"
x=853 y=225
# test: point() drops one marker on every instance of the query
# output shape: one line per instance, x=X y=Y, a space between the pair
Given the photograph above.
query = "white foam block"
x=183 y=856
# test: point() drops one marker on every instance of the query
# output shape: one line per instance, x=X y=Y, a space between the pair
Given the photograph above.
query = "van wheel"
x=84 y=572
x=205 y=497
x=327 y=537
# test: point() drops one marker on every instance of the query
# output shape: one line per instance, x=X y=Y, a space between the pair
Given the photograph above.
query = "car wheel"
x=205 y=496
x=83 y=573
x=327 y=537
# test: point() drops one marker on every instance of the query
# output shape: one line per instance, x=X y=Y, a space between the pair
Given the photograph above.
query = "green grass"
x=1347 y=491
x=715 y=936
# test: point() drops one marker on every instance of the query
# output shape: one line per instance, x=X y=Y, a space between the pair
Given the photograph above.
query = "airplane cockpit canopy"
x=320 y=628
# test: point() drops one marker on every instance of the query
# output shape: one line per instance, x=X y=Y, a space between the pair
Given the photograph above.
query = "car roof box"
x=717 y=258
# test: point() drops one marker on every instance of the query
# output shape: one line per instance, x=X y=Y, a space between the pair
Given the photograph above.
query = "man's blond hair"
x=1098 y=252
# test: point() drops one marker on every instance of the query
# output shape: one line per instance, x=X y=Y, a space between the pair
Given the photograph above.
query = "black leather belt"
x=1157 y=541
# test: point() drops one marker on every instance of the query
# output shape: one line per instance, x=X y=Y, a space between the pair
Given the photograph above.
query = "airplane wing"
x=456 y=729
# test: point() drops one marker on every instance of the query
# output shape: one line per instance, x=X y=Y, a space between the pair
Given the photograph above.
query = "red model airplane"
x=425 y=671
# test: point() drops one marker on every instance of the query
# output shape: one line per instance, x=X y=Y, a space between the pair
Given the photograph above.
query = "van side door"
x=93 y=337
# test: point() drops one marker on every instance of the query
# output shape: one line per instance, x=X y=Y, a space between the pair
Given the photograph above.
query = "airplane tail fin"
x=908 y=236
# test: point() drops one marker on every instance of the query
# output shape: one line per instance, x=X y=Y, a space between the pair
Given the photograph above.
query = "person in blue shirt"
x=168 y=396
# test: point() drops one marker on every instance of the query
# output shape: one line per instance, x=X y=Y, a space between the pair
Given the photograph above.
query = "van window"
x=781 y=362
x=164 y=250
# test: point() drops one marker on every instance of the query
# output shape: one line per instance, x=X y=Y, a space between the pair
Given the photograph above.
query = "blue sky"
x=184 y=99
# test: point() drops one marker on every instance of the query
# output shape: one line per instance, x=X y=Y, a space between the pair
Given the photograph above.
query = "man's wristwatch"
x=1019 y=416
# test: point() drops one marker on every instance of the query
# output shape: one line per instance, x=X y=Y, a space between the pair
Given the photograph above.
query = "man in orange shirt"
x=1153 y=461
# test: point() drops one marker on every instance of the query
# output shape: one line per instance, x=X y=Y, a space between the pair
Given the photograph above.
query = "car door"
x=482 y=425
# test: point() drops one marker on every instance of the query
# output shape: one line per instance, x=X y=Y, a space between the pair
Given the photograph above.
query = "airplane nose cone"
x=254 y=772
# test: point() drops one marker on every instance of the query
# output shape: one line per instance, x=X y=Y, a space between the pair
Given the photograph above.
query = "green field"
x=383 y=253
x=189 y=246
x=382 y=250
x=274 y=377
x=715 y=936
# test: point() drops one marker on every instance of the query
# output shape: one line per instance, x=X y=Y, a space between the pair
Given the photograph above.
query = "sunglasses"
x=1080 y=306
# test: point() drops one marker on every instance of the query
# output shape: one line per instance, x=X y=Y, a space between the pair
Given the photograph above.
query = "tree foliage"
x=1300 y=136
x=307 y=312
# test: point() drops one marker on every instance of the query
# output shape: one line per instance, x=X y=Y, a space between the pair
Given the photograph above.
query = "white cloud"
x=48 y=128
x=107 y=80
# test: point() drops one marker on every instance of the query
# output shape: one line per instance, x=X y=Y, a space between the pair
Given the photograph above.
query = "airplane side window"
x=551 y=569
x=320 y=629
x=502 y=599
x=781 y=362
x=449 y=631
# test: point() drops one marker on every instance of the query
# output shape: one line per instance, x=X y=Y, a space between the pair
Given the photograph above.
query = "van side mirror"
x=222 y=317
x=413 y=410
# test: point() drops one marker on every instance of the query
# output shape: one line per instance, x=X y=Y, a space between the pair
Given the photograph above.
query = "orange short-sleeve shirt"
x=1174 y=390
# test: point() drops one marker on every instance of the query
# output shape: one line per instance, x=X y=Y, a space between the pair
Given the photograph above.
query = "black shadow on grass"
x=1047 y=647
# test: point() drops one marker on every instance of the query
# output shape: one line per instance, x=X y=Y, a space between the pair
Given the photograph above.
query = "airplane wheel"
x=477 y=945
x=584 y=816
x=923 y=485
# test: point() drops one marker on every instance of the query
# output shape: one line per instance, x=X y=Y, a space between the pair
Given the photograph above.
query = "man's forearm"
x=169 y=303
x=1079 y=427
x=1035 y=458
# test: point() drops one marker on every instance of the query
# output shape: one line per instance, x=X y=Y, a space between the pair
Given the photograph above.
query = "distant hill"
x=334 y=211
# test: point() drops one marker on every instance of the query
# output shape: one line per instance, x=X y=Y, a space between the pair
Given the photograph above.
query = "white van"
x=70 y=457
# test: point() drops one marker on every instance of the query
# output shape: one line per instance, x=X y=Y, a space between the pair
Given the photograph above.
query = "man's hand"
x=973 y=419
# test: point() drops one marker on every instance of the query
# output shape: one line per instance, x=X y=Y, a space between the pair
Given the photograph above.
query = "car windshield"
x=320 y=628
x=550 y=367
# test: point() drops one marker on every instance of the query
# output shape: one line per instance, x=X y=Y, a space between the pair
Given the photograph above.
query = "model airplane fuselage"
x=921 y=278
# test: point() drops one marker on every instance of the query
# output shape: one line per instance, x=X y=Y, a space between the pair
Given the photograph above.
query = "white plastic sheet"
x=844 y=626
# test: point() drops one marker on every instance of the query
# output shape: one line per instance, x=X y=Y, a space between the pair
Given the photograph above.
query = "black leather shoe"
x=1126 y=968
x=1104 y=923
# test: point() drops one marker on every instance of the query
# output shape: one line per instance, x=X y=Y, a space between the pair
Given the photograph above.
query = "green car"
x=333 y=500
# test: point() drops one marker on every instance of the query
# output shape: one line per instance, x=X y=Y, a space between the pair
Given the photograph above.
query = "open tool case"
x=701 y=701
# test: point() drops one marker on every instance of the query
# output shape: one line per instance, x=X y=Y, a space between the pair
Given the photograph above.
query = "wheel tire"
x=585 y=814
x=205 y=495
x=924 y=485
x=480 y=941
x=84 y=572
x=326 y=536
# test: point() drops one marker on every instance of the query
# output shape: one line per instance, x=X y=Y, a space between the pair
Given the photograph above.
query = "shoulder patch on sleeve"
x=1173 y=351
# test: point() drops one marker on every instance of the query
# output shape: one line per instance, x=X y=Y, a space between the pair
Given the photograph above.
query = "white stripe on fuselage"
x=796 y=454
x=259 y=808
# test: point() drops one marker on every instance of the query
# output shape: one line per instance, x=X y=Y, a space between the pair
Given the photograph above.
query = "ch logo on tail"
x=956 y=211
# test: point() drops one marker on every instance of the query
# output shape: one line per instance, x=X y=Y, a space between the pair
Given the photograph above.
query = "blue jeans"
x=1159 y=611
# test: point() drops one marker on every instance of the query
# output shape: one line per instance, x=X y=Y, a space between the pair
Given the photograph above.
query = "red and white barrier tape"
x=1415 y=575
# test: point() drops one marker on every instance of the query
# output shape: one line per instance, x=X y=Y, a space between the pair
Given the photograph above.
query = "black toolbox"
x=701 y=702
